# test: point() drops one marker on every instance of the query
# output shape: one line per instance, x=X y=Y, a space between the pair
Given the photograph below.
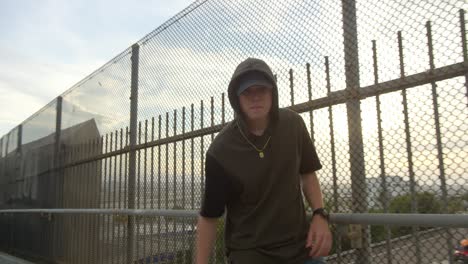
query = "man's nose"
x=256 y=95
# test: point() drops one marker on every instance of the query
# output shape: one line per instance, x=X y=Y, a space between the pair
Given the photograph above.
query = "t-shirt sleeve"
x=216 y=189
x=309 y=160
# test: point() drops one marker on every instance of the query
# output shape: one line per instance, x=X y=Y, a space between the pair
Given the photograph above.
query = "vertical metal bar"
x=77 y=195
x=145 y=190
x=383 y=184
x=332 y=137
x=192 y=154
x=183 y=160
x=202 y=139
x=58 y=133
x=414 y=205
x=80 y=195
x=95 y=199
x=81 y=204
x=107 y=175
x=333 y=152
x=463 y=34
x=440 y=153
x=115 y=204
x=16 y=178
x=102 y=199
x=79 y=218
x=78 y=187
x=152 y=187
x=90 y=196
x=212 y=115
x=174 y=171
x=353 y=107
x=58 y=180
x=127 y=170
x=64 y=203
x=291 y=85
x=183 y=207
x=74 y=204
x=400 y=54
x=11 y=224
x=159 y=184
x=175 y=161
x=138 y=196
x=166 y=188
x=132 y=154
x=93 y=202
x=138 y=176
x=120 y=194
x=311 y=112
x=87 y=194
x=115 y=192
x=223 y=112
x=69 y=204
x=464 y=47
x=110 y=200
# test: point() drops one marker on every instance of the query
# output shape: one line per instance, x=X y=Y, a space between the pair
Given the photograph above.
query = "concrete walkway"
x=9 y=259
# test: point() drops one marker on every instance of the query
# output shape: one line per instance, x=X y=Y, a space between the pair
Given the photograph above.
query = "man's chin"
x=257 y=117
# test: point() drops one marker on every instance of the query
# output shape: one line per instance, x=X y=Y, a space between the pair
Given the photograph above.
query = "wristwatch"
x=322 y=212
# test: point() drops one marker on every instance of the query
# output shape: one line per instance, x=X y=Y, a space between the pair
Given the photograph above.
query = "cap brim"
x=245 y=85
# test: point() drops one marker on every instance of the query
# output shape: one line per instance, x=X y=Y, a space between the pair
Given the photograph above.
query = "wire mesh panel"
x=381 y=87
x=101 y=100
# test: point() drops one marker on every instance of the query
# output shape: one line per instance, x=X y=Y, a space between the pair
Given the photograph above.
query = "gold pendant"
x=261 y=154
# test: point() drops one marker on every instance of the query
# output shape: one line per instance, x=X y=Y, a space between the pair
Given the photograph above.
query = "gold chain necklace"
x=260 y=151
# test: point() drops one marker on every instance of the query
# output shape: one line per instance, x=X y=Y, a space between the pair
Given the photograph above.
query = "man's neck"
x=257 y=127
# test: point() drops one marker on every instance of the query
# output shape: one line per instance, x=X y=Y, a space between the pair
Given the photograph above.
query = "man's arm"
x=319 y=238
x=206 y=235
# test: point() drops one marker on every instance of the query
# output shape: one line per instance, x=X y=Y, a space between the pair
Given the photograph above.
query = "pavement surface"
x=9 y=259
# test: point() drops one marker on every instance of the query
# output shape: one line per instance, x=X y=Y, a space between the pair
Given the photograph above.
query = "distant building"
x=395 y=185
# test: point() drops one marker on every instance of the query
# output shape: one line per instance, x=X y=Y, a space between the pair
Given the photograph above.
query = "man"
x=255 y=168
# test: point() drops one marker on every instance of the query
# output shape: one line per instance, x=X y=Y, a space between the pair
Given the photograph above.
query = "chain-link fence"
x=382 y=88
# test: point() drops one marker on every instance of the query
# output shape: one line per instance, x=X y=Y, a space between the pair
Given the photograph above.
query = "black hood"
x=252 y=65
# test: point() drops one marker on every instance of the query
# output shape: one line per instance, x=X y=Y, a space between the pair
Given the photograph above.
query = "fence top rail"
x=429 y=220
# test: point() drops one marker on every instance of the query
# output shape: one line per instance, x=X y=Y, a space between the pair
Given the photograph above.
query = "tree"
x=427 y=203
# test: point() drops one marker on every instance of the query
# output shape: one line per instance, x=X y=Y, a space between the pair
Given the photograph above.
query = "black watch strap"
x=322 y=212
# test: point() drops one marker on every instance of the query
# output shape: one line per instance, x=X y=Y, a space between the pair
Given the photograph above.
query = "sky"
x=48 y=46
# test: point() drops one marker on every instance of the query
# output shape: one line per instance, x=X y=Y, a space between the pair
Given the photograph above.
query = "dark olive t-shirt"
x=265 y=218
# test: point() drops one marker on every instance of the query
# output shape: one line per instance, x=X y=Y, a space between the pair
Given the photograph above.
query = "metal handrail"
x=428 y=220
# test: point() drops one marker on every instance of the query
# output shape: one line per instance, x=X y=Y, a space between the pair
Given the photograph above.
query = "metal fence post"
x=16 y=170
x=353 y=106
x=58 y=181
x=132 y=154
x=19 y=153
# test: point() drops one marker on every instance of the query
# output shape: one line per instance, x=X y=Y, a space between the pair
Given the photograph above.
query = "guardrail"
x=422 y=220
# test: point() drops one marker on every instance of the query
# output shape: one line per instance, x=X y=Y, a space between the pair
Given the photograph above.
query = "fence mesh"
x=381 y=86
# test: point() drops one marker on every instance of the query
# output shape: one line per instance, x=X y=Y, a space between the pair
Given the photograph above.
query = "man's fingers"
x=317 y=245
x=322 y=247
x=310 y=238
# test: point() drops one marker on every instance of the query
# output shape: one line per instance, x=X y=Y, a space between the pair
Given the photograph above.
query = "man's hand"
x=319 y=238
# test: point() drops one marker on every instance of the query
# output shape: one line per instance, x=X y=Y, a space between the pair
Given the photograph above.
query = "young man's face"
x=255 y=102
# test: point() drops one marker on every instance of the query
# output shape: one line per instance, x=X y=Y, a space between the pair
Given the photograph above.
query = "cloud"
x=49 y=46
